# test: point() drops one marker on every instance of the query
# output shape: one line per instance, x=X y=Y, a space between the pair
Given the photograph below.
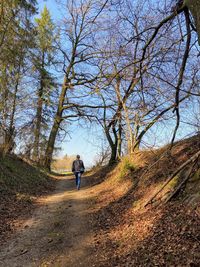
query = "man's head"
x=78 y=156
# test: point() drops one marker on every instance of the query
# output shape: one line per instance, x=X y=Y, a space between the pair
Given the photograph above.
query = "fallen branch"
x=187 y=177
x=192 y=159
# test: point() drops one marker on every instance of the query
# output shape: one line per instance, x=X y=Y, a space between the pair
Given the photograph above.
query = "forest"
x=128 y=70
x=126 y=66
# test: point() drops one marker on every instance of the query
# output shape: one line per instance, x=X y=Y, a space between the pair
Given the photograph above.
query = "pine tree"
x=43 y=60
x=15 y=40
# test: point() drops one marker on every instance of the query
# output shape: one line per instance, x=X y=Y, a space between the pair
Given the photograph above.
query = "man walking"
x=78 y=169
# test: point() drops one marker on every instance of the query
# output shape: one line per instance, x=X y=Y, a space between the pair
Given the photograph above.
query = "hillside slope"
x=161 y=234
x=107 y=222
x=20 y=184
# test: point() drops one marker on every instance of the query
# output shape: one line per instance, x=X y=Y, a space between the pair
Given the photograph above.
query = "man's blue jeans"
x=78 y=179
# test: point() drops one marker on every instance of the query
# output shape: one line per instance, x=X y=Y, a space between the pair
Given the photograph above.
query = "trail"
x=58 y=234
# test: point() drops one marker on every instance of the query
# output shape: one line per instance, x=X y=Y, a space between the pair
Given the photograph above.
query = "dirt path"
x=58 y=234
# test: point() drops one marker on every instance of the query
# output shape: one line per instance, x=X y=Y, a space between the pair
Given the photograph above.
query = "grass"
x=20 y=178
x=67 y=173
x=126 y=167
x=196 y=176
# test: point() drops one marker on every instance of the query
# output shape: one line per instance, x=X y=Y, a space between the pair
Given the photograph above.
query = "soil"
x=58 y=233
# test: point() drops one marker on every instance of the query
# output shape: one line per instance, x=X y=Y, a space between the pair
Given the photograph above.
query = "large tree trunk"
x=113 y=147
x=55 y=127
x=113 y=156
x=11 y=130
x=37 y=131
x=52 y=139
x=7 y=127
x=194 y=7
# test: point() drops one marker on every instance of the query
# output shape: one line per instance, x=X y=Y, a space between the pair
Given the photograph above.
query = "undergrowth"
x=126 y=167
x=19 y=177
x=20 y=184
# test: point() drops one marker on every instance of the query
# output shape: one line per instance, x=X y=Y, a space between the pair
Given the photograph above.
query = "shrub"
x=126 y=168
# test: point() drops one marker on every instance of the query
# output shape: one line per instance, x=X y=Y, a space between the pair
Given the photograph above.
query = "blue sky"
x=86 y=142
x=52 y=6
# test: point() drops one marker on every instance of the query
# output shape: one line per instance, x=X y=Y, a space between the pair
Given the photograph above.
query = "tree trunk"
x=4 y=104
x=129 y=132
x=113 y=147
x=11 y=131
x=119 y=148
x=51 y=141
x=194 y=7
x=122 y=103
x=37 y=131
x=113 y=155
x=56 y=124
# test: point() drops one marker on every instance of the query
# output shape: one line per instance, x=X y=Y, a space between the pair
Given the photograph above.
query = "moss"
x=172 y=184
x=196 y=176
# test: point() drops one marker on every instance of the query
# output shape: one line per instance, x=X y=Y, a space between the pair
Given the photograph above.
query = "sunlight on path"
x=58 y=234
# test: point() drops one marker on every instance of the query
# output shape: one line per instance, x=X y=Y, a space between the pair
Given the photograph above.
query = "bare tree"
x=80 y=23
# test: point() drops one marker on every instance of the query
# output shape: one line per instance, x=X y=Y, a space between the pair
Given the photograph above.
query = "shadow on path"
x=59 y=232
